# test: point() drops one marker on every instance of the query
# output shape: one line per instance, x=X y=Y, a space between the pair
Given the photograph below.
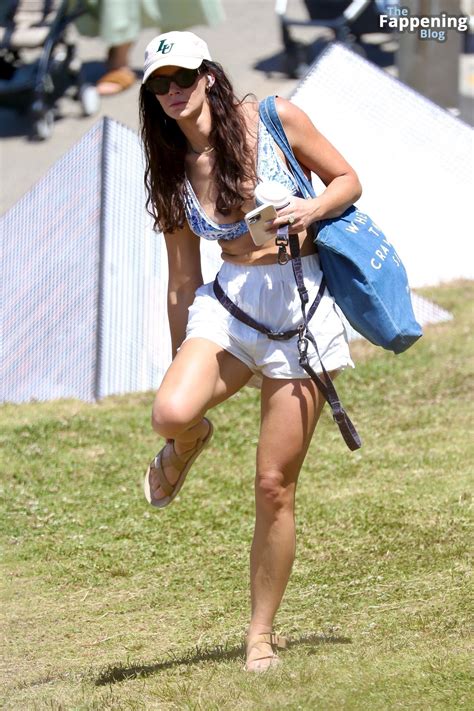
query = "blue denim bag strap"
x=377 y=304
x=271 y=120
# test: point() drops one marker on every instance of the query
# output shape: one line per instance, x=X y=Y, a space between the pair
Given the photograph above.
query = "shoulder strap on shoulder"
x=269 y=116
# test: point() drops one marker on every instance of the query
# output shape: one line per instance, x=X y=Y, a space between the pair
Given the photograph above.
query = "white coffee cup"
x=273 y=193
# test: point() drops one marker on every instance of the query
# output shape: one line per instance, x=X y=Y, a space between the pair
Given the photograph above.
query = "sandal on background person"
x=115 y=81
x=266 y=646
x=181 y=462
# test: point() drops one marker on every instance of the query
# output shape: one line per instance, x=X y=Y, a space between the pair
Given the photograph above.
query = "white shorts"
x=269 y=295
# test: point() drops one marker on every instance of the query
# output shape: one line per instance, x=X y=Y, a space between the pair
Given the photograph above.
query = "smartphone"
x=256 y=222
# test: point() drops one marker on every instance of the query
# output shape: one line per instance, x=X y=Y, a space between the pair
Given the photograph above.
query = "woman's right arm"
x=185 y=276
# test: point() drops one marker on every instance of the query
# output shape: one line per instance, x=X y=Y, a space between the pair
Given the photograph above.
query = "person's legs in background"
x=118 y=23
x=119 y=76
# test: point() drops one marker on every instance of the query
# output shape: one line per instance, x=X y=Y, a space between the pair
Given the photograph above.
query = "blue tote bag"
x=364 y=273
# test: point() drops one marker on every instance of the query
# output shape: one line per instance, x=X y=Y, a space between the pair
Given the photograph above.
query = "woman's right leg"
x=201 y=376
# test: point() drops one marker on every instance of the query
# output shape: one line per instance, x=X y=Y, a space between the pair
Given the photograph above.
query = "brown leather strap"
x=277 y=641
x=178 y=461
x=158 y=467
x=173 y=458
x=274 y=640
x=271 y=638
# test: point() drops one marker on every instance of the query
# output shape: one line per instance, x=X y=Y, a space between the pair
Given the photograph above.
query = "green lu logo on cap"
x=165 y=48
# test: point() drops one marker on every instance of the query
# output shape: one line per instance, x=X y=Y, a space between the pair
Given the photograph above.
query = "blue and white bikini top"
x=270 y=166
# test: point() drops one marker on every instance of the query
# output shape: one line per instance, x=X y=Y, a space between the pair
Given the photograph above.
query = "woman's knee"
x=273 y=492
x=171 y=416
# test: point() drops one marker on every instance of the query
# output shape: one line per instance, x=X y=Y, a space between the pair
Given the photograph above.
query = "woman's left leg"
x=289 y=412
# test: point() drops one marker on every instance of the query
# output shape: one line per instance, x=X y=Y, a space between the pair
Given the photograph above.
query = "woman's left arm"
x=317 y=154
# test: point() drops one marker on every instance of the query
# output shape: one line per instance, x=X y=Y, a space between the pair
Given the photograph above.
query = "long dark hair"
x=165 y=149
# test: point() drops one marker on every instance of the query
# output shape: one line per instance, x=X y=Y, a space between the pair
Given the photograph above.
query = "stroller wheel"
x=90 y=99
x=43 y=125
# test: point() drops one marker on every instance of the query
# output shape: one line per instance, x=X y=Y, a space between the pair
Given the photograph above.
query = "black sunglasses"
x=184 y=78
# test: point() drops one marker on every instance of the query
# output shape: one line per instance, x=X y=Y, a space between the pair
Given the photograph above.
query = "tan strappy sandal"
x=116 y=81
x=275 y=641
x=179 y=462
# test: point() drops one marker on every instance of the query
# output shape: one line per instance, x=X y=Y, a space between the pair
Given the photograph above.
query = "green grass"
x=110 y=604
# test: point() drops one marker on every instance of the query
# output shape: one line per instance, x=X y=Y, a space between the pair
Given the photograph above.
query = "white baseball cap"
x=180 y=49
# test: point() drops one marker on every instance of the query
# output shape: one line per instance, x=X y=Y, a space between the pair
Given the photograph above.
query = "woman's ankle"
x=186 y=440
x=256 y=628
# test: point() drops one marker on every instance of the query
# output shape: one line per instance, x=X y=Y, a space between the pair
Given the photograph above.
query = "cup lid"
x=273 y=192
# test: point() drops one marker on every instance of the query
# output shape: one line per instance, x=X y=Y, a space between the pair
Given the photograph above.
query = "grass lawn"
x=108 y=603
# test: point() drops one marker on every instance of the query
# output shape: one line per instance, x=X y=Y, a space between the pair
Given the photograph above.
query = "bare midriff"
x=243 y=250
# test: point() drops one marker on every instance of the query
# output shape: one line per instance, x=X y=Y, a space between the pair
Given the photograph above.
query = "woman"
x=205 y=153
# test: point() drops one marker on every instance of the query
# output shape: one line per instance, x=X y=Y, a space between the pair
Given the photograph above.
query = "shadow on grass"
x=219 y=653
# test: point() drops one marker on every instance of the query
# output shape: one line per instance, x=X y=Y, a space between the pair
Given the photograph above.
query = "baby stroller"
x=38 y=62
x=349 y=19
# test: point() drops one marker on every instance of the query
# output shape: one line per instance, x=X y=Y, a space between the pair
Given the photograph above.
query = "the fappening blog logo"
x=428 y=27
